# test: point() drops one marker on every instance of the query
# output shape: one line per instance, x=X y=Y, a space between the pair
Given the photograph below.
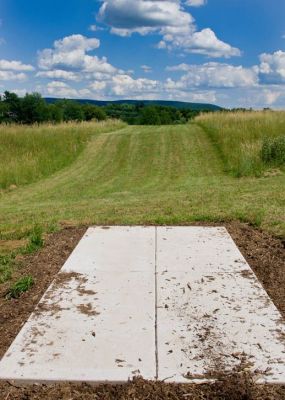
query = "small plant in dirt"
x=21 y=286
x=36 y=240
x=6 y=262
x=273 y=151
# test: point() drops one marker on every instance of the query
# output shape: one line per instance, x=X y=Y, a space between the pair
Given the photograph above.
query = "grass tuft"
x=36 y=240
x=273 y=151
x=21 y=286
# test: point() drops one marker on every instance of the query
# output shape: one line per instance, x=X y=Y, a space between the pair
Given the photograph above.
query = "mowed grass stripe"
x=145 y=175
x=150 y=158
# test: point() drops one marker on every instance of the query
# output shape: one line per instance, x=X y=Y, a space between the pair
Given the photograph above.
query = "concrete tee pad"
x=97 y=320
x=171 y=303
x=213 y=314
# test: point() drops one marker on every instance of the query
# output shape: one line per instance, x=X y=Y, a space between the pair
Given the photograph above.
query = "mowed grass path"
x=145 y=175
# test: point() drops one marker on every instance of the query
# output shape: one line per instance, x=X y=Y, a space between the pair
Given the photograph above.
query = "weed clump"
x=273 y=151
x=36 y=240
x=21 y=286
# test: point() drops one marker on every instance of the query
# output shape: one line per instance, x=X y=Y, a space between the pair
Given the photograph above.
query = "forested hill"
x=32 y=108
x=167 y=103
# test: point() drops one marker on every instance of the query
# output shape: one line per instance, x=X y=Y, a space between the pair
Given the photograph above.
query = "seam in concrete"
x=156 y=300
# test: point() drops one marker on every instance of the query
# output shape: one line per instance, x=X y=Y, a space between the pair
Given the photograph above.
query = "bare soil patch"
x=266 y=256
x=264 y=253
x=43 y=266
x=235 y=387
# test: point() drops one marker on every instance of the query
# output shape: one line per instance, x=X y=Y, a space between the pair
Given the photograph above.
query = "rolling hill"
x=168 y=103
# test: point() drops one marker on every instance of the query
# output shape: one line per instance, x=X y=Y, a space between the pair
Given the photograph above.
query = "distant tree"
x=34 y=109
x=72 y=111
x=93 y=112
x=165 y=117
x=150 y=116
x=4 y=112
x=55 y=113
x=13 y=106
x=139 y=106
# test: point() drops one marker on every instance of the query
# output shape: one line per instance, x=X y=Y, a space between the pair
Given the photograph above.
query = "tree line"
x=141 y=114
x=33 y=108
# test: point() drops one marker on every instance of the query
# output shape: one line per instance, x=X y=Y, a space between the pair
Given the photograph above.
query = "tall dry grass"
x=29 y=153
x=240 y=136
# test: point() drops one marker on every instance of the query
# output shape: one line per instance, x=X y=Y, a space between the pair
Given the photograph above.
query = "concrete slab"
x=178 y=304
x=97 y=320
x=212 y=313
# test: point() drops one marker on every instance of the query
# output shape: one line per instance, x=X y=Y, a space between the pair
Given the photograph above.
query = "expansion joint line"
x=156 y=307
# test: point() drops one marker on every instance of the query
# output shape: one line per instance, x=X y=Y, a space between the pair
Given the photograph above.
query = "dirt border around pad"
x=43 y=267
x=264 y=253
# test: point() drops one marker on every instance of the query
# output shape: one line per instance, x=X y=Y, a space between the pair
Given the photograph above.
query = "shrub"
x=21 y=286
x=273 y=150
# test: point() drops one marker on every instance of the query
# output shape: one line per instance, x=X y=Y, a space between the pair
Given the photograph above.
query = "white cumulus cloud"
x=271 y=96
x=142 y=16
x=195 y=3
x=215 y=75
x=169 y=19
x=204 y=42
x=15 y=66
x=62 y=89
x=272 y=67
x=58 y=74
x=98 y=86
x=14 y=70
x=12 y=76
x=123 y=85
x=70 y=53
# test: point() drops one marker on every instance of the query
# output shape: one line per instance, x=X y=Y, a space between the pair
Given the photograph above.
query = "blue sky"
x=228 y=52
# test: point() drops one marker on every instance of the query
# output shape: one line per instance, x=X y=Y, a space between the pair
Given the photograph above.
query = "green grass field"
x=239 y=138
x=144 y=175
x=30 y=153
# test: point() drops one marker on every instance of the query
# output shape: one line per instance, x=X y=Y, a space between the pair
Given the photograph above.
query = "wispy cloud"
x=195 y=3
